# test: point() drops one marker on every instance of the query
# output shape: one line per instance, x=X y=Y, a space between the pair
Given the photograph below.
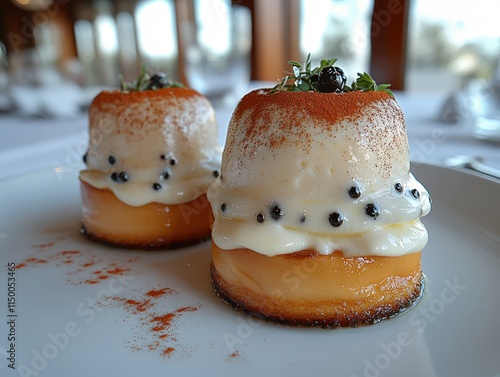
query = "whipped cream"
x=317 y=171
x=153 y=146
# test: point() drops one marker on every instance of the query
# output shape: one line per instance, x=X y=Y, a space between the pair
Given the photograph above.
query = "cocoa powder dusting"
x=148 y=307
x=259 y=110
x=328 y=107
x=159 y=292
x=118 y=100
x=137 y=306
x=159 y=324
x=44 y=245
x=88 y=268
x=127 y=111
x=269 y=121
x=168 y=351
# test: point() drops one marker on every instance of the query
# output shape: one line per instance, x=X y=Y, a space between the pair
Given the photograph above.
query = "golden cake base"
x=108 y=220
x=308 y=289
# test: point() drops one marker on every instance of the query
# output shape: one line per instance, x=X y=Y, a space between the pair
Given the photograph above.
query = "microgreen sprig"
x=145 y=81
x=303 y=78
x=366 y=83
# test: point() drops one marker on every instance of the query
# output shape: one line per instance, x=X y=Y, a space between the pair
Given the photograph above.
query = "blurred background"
x=417 y=45
x=440 y=56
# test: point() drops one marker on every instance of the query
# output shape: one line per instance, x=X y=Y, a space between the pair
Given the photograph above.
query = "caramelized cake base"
x=108 y=220
x=308 y=289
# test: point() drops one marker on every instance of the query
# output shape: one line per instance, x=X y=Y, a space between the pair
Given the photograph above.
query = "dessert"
x=153 y=151
x=316 y=215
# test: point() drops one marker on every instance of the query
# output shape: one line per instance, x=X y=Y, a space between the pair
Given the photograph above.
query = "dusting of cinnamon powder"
x=89 y=269
x=147 y=307
x=328 y=107
x=159 y=324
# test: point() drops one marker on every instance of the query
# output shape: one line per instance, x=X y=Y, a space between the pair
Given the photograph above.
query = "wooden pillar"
x=18 y=29
x=389 y=27
x=64 y=21
x=275 y=37
x=183 y=13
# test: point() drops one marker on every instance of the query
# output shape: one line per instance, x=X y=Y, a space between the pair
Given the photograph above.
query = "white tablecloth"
x=30 y=144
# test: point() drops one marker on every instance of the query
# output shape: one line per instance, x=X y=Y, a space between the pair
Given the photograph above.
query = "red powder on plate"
x=168 y=351
x=117 y=271
x=85 y=262
x=159 y=292
x=148 y=306
x=69 y=252
x=138 y=306
x=44 y=245
x=159 y=325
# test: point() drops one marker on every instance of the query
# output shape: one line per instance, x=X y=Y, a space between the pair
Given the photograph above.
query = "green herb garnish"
x=145 y=81
x=325 y=78
x=366 y=83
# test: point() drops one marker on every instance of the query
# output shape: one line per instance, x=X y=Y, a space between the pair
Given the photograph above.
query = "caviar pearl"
x=415 y=193
x=164 y=175
x=156 y=186
x=84 y=158
x=398 y=187
x=223 y=207
x=157 y=81
x=123 y=177
x=260 y=218
x=173 y=162
x=111 y=160
x=372 y=210
x=162 y=156
x=215 y=173
x=276 y=212
x=303 y=218
x=120 y=177
x=336 y=219
x=354 y=192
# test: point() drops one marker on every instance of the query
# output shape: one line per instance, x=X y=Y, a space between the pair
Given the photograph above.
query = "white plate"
x=453 y=331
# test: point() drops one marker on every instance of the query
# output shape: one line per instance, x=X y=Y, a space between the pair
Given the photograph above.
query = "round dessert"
x=316 y=215
x=152 y=155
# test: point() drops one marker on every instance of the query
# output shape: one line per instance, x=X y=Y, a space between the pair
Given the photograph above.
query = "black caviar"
x=157 y=81
x=331 y=79
x=111 y=160
x=121 y=177
x=372 y=210
x=415 y=193
x=336 y=219
x=84 y=158
x=223 y=207
x=354 y=192
x=276 y=212
x=260 y=218
x=172 y=161
x=303 y=217
x=215 y=173
x=156 y=186
x=165 y=175
x=398 y=187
